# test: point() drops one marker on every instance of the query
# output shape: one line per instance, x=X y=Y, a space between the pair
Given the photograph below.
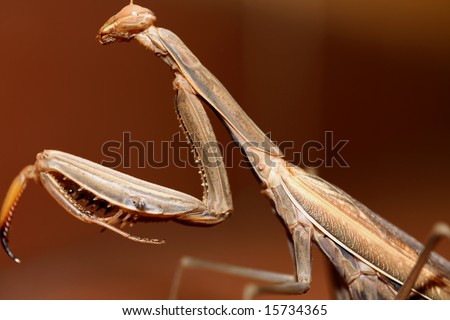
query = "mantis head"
x=123 y=26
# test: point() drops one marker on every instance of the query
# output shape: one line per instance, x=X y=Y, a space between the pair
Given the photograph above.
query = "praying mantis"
x=88 y=190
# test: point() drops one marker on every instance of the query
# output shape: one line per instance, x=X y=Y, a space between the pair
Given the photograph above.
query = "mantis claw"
x=5 y=246
x=15 y=191
x=99 y=195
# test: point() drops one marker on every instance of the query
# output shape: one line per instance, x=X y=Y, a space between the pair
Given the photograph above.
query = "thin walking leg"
x=439 y=231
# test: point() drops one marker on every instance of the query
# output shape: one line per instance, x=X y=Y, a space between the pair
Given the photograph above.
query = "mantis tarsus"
x=310 y=208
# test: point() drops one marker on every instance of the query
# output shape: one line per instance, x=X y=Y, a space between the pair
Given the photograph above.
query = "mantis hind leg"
x=249 y=292
x=278 y=282
x=439 y=231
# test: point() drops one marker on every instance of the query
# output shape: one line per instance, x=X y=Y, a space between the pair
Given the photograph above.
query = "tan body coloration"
x=372 y=257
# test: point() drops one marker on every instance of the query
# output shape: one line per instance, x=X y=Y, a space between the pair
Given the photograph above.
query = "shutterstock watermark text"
x=129 y=152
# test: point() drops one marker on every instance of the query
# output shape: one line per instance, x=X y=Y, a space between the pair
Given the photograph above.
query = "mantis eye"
x=134 y=19
x=123 y=26
x=131 y=10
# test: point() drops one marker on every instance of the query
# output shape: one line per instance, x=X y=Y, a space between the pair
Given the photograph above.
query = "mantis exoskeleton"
x=309 y=207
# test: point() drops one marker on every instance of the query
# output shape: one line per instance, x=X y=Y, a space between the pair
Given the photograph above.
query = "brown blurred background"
x=376 y=73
